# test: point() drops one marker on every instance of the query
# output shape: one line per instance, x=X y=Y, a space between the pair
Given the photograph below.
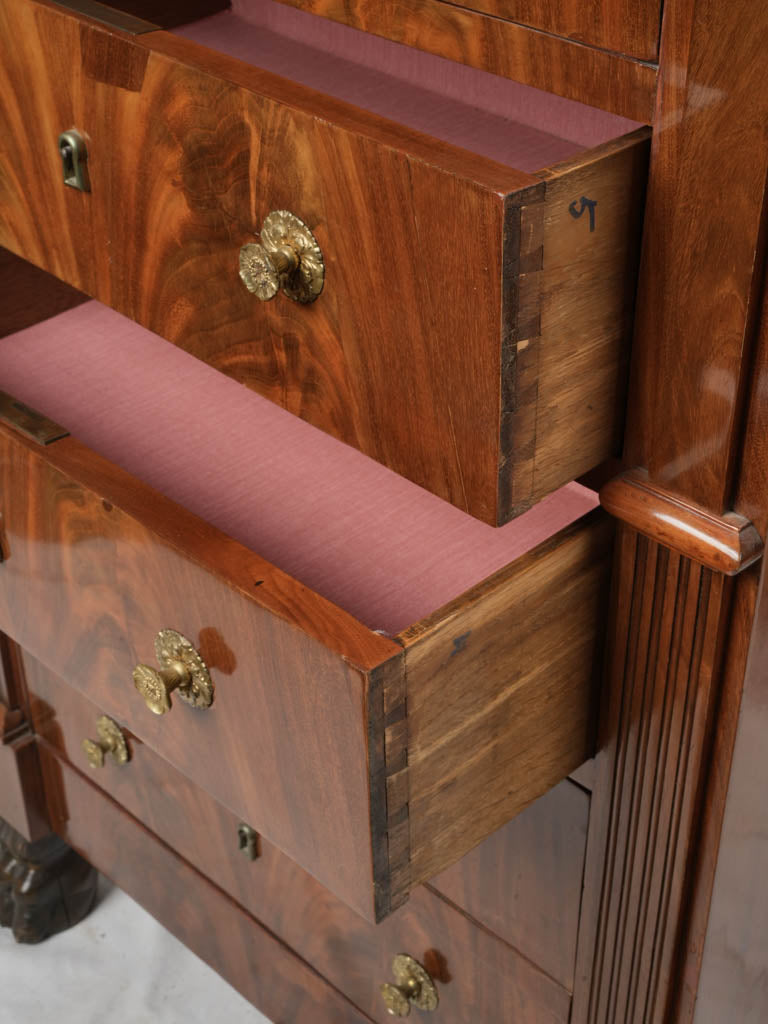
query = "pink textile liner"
x=375 y=544
x=514 y=124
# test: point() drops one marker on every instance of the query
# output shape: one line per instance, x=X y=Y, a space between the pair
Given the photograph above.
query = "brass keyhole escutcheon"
x=181 y=669
x=288 y=258
x=413 y=987
x=247 y=841
x=111 y=742
x=74 y=160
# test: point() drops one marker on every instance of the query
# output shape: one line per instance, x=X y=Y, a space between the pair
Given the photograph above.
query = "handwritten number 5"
x=578 y=206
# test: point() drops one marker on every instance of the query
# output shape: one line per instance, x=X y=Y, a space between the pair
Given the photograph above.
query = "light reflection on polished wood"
x=727 y=543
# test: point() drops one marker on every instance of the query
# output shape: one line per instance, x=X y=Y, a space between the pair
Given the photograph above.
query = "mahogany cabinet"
x=413 y=691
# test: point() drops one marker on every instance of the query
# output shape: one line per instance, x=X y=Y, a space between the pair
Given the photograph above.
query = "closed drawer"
x=624 y=26
x=472 y=331
x=372 y=760
x=213 y=926
x=478 y=977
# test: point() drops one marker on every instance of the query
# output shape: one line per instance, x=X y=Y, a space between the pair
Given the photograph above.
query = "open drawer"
x=418 y=679
x=478 y=238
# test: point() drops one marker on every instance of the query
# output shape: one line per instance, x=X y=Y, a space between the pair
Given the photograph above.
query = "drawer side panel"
x=501 y=694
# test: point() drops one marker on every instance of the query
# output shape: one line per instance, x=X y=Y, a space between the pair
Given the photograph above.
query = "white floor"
x=118 y=965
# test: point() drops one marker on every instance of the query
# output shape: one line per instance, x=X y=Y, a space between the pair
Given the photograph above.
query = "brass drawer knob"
x=181 y=668
x=413 y=987
x=111 y=741
x=288 y=258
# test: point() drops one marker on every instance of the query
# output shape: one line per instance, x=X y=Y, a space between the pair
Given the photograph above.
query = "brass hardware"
x=74 y=160
x=288 y=258
x=111 y=741
x=181 y=668
x=413 y=987
x=28 y=422
x=108 y=16
x=247 y=841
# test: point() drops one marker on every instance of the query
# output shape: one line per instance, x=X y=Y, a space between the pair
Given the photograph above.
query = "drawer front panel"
x=479 y=978
x=93 y=573
x=422 y=349
x=624 y=26
x=187 y=904
x=524 y=882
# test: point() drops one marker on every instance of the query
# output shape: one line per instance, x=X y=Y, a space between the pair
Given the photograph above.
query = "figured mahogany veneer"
x=472 y=334
x=464 y=33
x=207 y=921
x=626 y=26
x=477 y=974
x=373 y=762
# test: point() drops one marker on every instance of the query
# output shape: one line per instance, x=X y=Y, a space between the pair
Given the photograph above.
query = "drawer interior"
x=494 y=117
x=373 y=543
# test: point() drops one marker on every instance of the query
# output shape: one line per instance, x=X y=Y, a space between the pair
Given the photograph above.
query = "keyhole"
x=74 y=157
x=68 y=159
x=248 y=841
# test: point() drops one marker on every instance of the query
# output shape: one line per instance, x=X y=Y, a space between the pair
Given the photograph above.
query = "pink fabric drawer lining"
x=514 y=124
x=375 y=544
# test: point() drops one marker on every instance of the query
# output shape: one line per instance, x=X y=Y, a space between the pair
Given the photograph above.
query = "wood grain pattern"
x=620 y=25
x=726 y=544
x=506 y=676
x=217 y=145
x=562 y=66
x=662 y=690
x=702 y=253
x=477 y=974
x=207 y=921
x=574 y=304
x=99 y=563
x=726 y=936
x=524 y=882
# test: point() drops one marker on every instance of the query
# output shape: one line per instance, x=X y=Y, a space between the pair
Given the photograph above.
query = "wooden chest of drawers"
x=373 y=572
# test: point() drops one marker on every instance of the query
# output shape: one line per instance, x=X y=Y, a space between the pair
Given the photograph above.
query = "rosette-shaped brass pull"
x=181 y=668
x=413 y=987
x=288 y=258
x=110 y=742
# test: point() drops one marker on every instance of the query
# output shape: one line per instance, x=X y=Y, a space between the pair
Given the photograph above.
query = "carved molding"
x=728 y=543
x=671 y=615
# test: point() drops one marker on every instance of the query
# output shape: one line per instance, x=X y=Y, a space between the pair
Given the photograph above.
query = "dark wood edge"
x=388 y=787
x=514 y=477
x=597 y=153
x=108 y=15
x=611 y=81
x=727 y=544
x=220 y=555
